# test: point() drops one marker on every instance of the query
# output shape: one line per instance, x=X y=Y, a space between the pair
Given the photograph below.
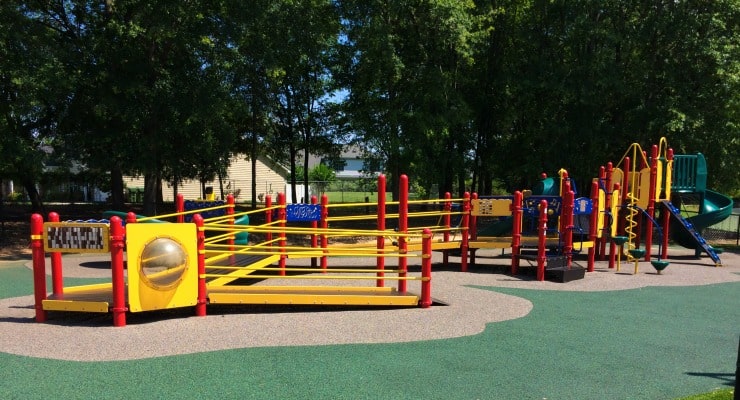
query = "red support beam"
x=39 y=266
x=200 y=305
x=117 y=244
x=516 y=231
x=380 y=240
x=426 y=269
x=57 y=280
x=541 y=241
x=403 y=228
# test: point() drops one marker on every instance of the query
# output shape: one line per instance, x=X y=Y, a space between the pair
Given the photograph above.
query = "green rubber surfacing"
x=650 y=343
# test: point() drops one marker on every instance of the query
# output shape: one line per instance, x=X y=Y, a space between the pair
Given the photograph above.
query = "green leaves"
x=457 y=94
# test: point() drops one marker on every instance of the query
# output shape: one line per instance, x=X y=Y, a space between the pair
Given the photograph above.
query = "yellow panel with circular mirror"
x=162 y=266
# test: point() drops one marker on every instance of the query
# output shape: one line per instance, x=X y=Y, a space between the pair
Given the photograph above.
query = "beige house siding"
x=271 y=179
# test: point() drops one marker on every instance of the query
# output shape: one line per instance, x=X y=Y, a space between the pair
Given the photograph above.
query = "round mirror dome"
x=163 y=262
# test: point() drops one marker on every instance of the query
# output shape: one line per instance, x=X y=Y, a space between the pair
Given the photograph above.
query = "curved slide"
x=502 y=227
x=717 y=208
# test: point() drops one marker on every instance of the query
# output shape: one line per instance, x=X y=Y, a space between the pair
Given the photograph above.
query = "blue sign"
x=583 y=205
x=303 y=212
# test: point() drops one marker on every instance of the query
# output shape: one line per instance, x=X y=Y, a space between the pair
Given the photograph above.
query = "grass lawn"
x=356 y=197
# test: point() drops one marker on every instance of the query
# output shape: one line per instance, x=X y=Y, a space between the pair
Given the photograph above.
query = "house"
x=350 y=165
x=272 y=178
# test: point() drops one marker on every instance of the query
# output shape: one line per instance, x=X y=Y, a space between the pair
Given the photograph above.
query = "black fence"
x=725 y=231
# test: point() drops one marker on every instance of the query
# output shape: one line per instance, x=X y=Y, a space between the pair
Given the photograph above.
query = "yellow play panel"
x=162 y=266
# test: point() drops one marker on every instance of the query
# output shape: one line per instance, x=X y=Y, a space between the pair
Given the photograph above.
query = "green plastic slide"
x=717 y=208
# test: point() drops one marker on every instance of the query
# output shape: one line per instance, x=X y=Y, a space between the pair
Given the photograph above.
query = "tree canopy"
x=460 y=95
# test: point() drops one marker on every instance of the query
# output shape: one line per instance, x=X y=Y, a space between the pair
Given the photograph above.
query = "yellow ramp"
x=436 y=245
x=250 y=264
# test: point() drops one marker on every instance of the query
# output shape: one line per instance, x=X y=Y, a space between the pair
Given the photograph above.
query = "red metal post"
x=200 y=305
x=118 y=282
x=380 y=244
x=39 y=266
x=607 y=204
x=541 y=239
x=593 y=225
x=282 y=215
x=562 y=220
x=324 y=227
x=464 y=232
x=651 y=201
x=130 y=217
x=57 y=280
x=447 y=222
x=601 y=179
x=314 y=236
x=665 y=213
x=473 y=231
x=567 y=215
x=426 y=269
x=613 y=245
x=403 y=228
x=516 y=231
x=180 y=208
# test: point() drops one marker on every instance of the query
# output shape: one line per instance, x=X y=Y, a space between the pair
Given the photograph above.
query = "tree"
x=299 y=81
x=34 y=87
x=405 y=64
x=151 y=97
x=322 y=175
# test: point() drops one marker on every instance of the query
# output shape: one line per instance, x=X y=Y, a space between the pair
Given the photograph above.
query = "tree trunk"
x=254 y=176
x=150 y=194
x=461 y=183
x=292 y=172
x=33 y=194
x=160 y=196
x=306 y=198
x=221 y=186
x=175 y=187
x=116 y=189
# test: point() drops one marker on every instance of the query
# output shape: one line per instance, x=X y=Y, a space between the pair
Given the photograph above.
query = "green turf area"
x=650 y=343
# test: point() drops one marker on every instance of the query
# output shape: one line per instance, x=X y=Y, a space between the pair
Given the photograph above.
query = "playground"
x=540 y=294
x=610 y=335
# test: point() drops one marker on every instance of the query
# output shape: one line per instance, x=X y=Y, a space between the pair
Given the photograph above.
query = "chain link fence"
x=725 y=231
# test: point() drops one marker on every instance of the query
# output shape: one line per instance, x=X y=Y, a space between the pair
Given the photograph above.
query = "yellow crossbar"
x=313 y=295
x=323 y=277
x=292 y=269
